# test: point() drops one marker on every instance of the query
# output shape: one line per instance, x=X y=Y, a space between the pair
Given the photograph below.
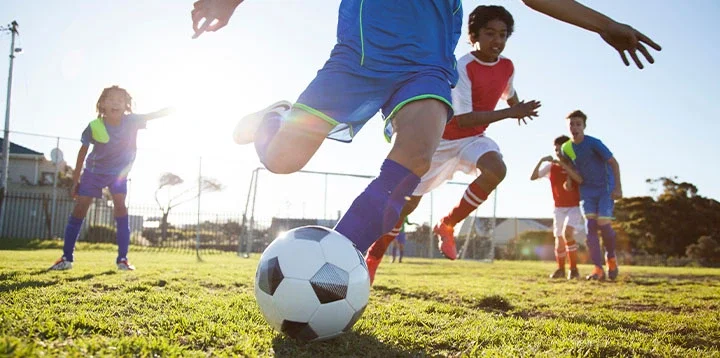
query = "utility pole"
x=13 y=28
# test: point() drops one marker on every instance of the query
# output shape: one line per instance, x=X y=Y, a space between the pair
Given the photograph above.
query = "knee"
x=419 y=163
x=279 y=166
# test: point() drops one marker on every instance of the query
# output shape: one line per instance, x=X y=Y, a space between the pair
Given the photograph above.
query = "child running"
x=397 y=58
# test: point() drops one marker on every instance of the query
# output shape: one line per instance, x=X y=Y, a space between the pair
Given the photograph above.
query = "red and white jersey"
x=480 y=86
x=557 y=175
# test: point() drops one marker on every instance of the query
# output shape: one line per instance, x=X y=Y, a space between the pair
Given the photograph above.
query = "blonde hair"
x=106 y=92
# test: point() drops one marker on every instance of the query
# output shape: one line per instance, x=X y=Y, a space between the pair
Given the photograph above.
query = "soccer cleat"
x=124 y=265
x=597 y=275
x=574 y=274
x=372 y=263
x=612 y=268
x=559 y=273
x=244 y=132
x=61 y=264
x=446 y=244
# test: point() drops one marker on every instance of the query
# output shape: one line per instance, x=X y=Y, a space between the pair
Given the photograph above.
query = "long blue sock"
x=72 y=230
x=593 y=243
x=265 y=133
x=377 y=210
x=609 y=239
x=123 y=236
x=394 y=251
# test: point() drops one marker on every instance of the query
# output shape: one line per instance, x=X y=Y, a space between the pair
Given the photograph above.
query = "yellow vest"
x=99 y=132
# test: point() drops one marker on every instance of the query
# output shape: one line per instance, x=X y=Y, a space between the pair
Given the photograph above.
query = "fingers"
x=645 y=53
x=642 y=38
x=217 y=24
x=200 y=30
x=635 y=58
x=624 y=58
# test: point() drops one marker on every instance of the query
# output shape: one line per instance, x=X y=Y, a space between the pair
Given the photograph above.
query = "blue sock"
x=593 y=243
x=394 y=251
x=266 y=132
x=72 y=230
x=123 y=236
x=608 y=236
x=377 y=210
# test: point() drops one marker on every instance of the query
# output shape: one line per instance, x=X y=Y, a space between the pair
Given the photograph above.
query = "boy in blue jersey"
x=396 y=57
x=598 y=190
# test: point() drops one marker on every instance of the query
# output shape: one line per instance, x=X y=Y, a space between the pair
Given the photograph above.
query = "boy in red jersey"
x=485 y=77
x=564 y=181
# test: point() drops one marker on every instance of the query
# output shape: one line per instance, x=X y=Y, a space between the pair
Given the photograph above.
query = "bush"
x=101 y=234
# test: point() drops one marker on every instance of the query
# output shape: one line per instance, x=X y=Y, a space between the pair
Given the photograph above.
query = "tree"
x=167 y=182
x=668 y=224
x=706 y=250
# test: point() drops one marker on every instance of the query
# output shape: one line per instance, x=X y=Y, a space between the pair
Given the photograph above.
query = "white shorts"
x=453 y=156
x=565 y=217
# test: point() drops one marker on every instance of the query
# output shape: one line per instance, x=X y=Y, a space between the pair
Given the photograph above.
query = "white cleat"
x=244 y=132
x=124 y=265
x=61 y=264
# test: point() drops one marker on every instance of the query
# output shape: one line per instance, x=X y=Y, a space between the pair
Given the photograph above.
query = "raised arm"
x=212 y=15
x=157 y=114
x=620 y=36
x=518 y=109
x=536 y=172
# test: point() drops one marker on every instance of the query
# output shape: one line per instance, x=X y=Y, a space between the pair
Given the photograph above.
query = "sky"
x=660 y=121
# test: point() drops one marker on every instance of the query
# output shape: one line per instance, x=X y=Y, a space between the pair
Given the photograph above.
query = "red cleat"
x=372 y=263
x=446 y=243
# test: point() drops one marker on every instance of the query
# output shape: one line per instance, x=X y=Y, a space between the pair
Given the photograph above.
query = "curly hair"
x=486 y=13
x=106 y=92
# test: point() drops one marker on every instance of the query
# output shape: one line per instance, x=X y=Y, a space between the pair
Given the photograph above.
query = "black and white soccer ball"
x=312 y=283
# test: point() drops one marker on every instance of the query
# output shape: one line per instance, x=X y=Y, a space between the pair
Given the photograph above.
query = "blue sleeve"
x=602 y=150
x=138 y=120
x=86 y=137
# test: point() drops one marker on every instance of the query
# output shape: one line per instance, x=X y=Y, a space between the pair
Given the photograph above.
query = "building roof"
x=18 y=149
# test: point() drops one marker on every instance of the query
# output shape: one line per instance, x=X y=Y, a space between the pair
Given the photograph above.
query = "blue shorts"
x=92 y=184
x=347 y=95
x=401 y=238
x=597 y=204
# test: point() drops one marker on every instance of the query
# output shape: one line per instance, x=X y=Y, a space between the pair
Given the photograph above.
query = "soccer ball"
x=312 y=284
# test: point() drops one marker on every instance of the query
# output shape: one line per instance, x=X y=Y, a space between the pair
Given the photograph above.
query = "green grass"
x=175 y=306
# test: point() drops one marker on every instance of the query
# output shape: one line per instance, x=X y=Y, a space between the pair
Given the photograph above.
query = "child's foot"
x=124 y=265
x=574 y=274
x=612 y=268
x=245 y=129
x=597 y=274
x=559 y=273
x=446 y=243
x=372 y=264
x=61 y=264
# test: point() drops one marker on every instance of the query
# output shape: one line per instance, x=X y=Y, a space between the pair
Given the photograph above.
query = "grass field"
x=175 y=306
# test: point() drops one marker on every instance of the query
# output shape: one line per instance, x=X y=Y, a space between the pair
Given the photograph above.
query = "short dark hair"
x=578 y=113
x=561 y=140
x=486 y=13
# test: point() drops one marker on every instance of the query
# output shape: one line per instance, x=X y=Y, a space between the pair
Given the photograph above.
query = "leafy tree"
x=168 y=182
x=706 y=250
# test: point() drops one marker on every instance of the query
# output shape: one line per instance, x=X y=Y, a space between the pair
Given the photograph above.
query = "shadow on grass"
x=352 y=344
x=11 y=281
x=492 y=303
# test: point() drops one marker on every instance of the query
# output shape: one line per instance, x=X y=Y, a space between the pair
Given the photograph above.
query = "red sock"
x=378 y=248
x=473 y=197
x=571 y=247
x=560 y=258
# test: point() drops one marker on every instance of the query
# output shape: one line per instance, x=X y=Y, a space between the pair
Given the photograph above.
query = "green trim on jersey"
x=403 y=103
x=362 y=37
x=99 y=132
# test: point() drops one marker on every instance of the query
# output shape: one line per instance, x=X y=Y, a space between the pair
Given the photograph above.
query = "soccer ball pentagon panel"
x=312 y=284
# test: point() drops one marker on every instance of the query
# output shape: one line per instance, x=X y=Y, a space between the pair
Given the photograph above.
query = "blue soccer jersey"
x=400 y=36
x=117 y=155
x=591 y=161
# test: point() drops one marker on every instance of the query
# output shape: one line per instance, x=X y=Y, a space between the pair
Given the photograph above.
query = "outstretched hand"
x=215 y=13
x=525 y=110
x=625 y=38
